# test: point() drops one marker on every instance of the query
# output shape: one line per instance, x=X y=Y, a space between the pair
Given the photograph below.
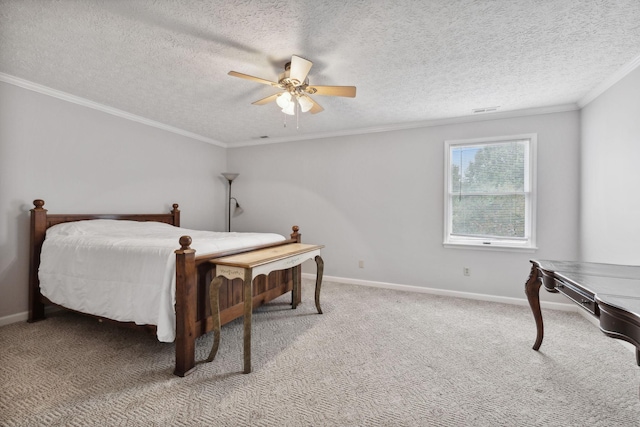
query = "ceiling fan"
x=295 y=84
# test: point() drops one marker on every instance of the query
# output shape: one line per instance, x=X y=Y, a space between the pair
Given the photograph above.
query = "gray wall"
x=82 y=160
x=379 y=198
x=373 y=197
x=610 y=175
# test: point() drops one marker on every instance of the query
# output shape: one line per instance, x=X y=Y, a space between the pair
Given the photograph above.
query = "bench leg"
x=320 y=271
x=214 y=299
x=296 y=291
x=248 y=308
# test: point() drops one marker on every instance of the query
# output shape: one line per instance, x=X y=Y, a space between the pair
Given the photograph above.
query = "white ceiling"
x=411 y=61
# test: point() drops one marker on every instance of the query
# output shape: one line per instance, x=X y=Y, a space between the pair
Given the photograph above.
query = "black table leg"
x=532 y=289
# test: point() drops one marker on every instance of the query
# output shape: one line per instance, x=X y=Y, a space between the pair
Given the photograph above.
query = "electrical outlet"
x=466 y=271
x=361 y=264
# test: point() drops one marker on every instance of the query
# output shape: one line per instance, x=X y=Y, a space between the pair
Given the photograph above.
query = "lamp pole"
x=229 y=205
x=230 y=177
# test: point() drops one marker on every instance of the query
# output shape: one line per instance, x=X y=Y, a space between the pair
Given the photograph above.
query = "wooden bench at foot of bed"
x=193 y=310
x=193 y=275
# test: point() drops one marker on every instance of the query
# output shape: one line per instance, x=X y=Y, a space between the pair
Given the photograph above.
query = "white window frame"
x=487 y=243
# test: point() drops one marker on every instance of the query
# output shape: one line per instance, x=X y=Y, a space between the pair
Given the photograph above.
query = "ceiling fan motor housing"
x=286 y=82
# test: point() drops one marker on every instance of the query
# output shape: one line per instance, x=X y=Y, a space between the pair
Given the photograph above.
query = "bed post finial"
x=295 y=235
x=176 y=215
x=38 y=203
x=185 y=241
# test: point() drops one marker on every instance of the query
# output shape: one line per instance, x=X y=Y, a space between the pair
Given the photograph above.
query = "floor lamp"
x=230 y=177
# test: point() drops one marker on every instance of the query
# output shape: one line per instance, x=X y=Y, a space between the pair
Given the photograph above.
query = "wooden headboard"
x=40 y=221
x=46 y=220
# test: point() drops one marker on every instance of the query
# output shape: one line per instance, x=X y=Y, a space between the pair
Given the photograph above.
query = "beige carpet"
x=376 y=357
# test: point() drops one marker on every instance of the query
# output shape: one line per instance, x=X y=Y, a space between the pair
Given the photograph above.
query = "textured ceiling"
x=411 y=61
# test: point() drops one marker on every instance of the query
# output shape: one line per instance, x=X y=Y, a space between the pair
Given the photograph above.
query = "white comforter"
x=125 y=270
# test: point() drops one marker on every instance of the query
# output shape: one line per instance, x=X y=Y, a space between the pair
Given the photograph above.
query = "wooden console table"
x=247 y=266
x=607 y=291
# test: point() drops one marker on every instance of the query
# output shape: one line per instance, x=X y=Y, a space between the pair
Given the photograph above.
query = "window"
x=490 y=192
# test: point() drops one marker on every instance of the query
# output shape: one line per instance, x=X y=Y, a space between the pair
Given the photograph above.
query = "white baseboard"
x=24 y=316
x=444 y=292
x=13 y=318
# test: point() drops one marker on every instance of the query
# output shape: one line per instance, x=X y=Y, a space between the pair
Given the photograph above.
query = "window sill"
x=491 y=247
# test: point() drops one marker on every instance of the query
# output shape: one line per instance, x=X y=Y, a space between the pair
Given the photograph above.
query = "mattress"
x=125 y=270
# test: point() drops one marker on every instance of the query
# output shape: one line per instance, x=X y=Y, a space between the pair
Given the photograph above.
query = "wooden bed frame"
x=193 y=275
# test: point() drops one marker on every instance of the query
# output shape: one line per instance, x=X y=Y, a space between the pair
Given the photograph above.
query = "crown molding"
x=606 y=84
x=25 y=84
x=16 y=81
x=413 y=125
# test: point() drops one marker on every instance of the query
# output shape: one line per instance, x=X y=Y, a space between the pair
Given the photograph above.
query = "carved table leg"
x=295 y=292
x=248 y=308
x=320 y=270
x=532 y=289
x=214 y=298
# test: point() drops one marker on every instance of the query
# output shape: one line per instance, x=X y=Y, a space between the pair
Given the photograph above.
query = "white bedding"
x=125 y=270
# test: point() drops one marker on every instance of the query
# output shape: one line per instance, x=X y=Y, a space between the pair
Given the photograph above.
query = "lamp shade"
x=305 y=103
x=230 y=176
x=284 y=100
x=238 y=209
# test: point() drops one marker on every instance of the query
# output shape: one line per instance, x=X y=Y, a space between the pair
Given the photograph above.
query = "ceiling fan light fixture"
x=305 y=103
x=284 y=100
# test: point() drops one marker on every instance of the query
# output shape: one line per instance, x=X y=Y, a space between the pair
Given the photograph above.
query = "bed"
x=188 y=285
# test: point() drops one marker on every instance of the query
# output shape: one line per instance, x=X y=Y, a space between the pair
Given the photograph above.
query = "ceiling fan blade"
x=299 y=68
x=255 y=79
x=317 y=108
x=347 y=91
x=266 y=100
